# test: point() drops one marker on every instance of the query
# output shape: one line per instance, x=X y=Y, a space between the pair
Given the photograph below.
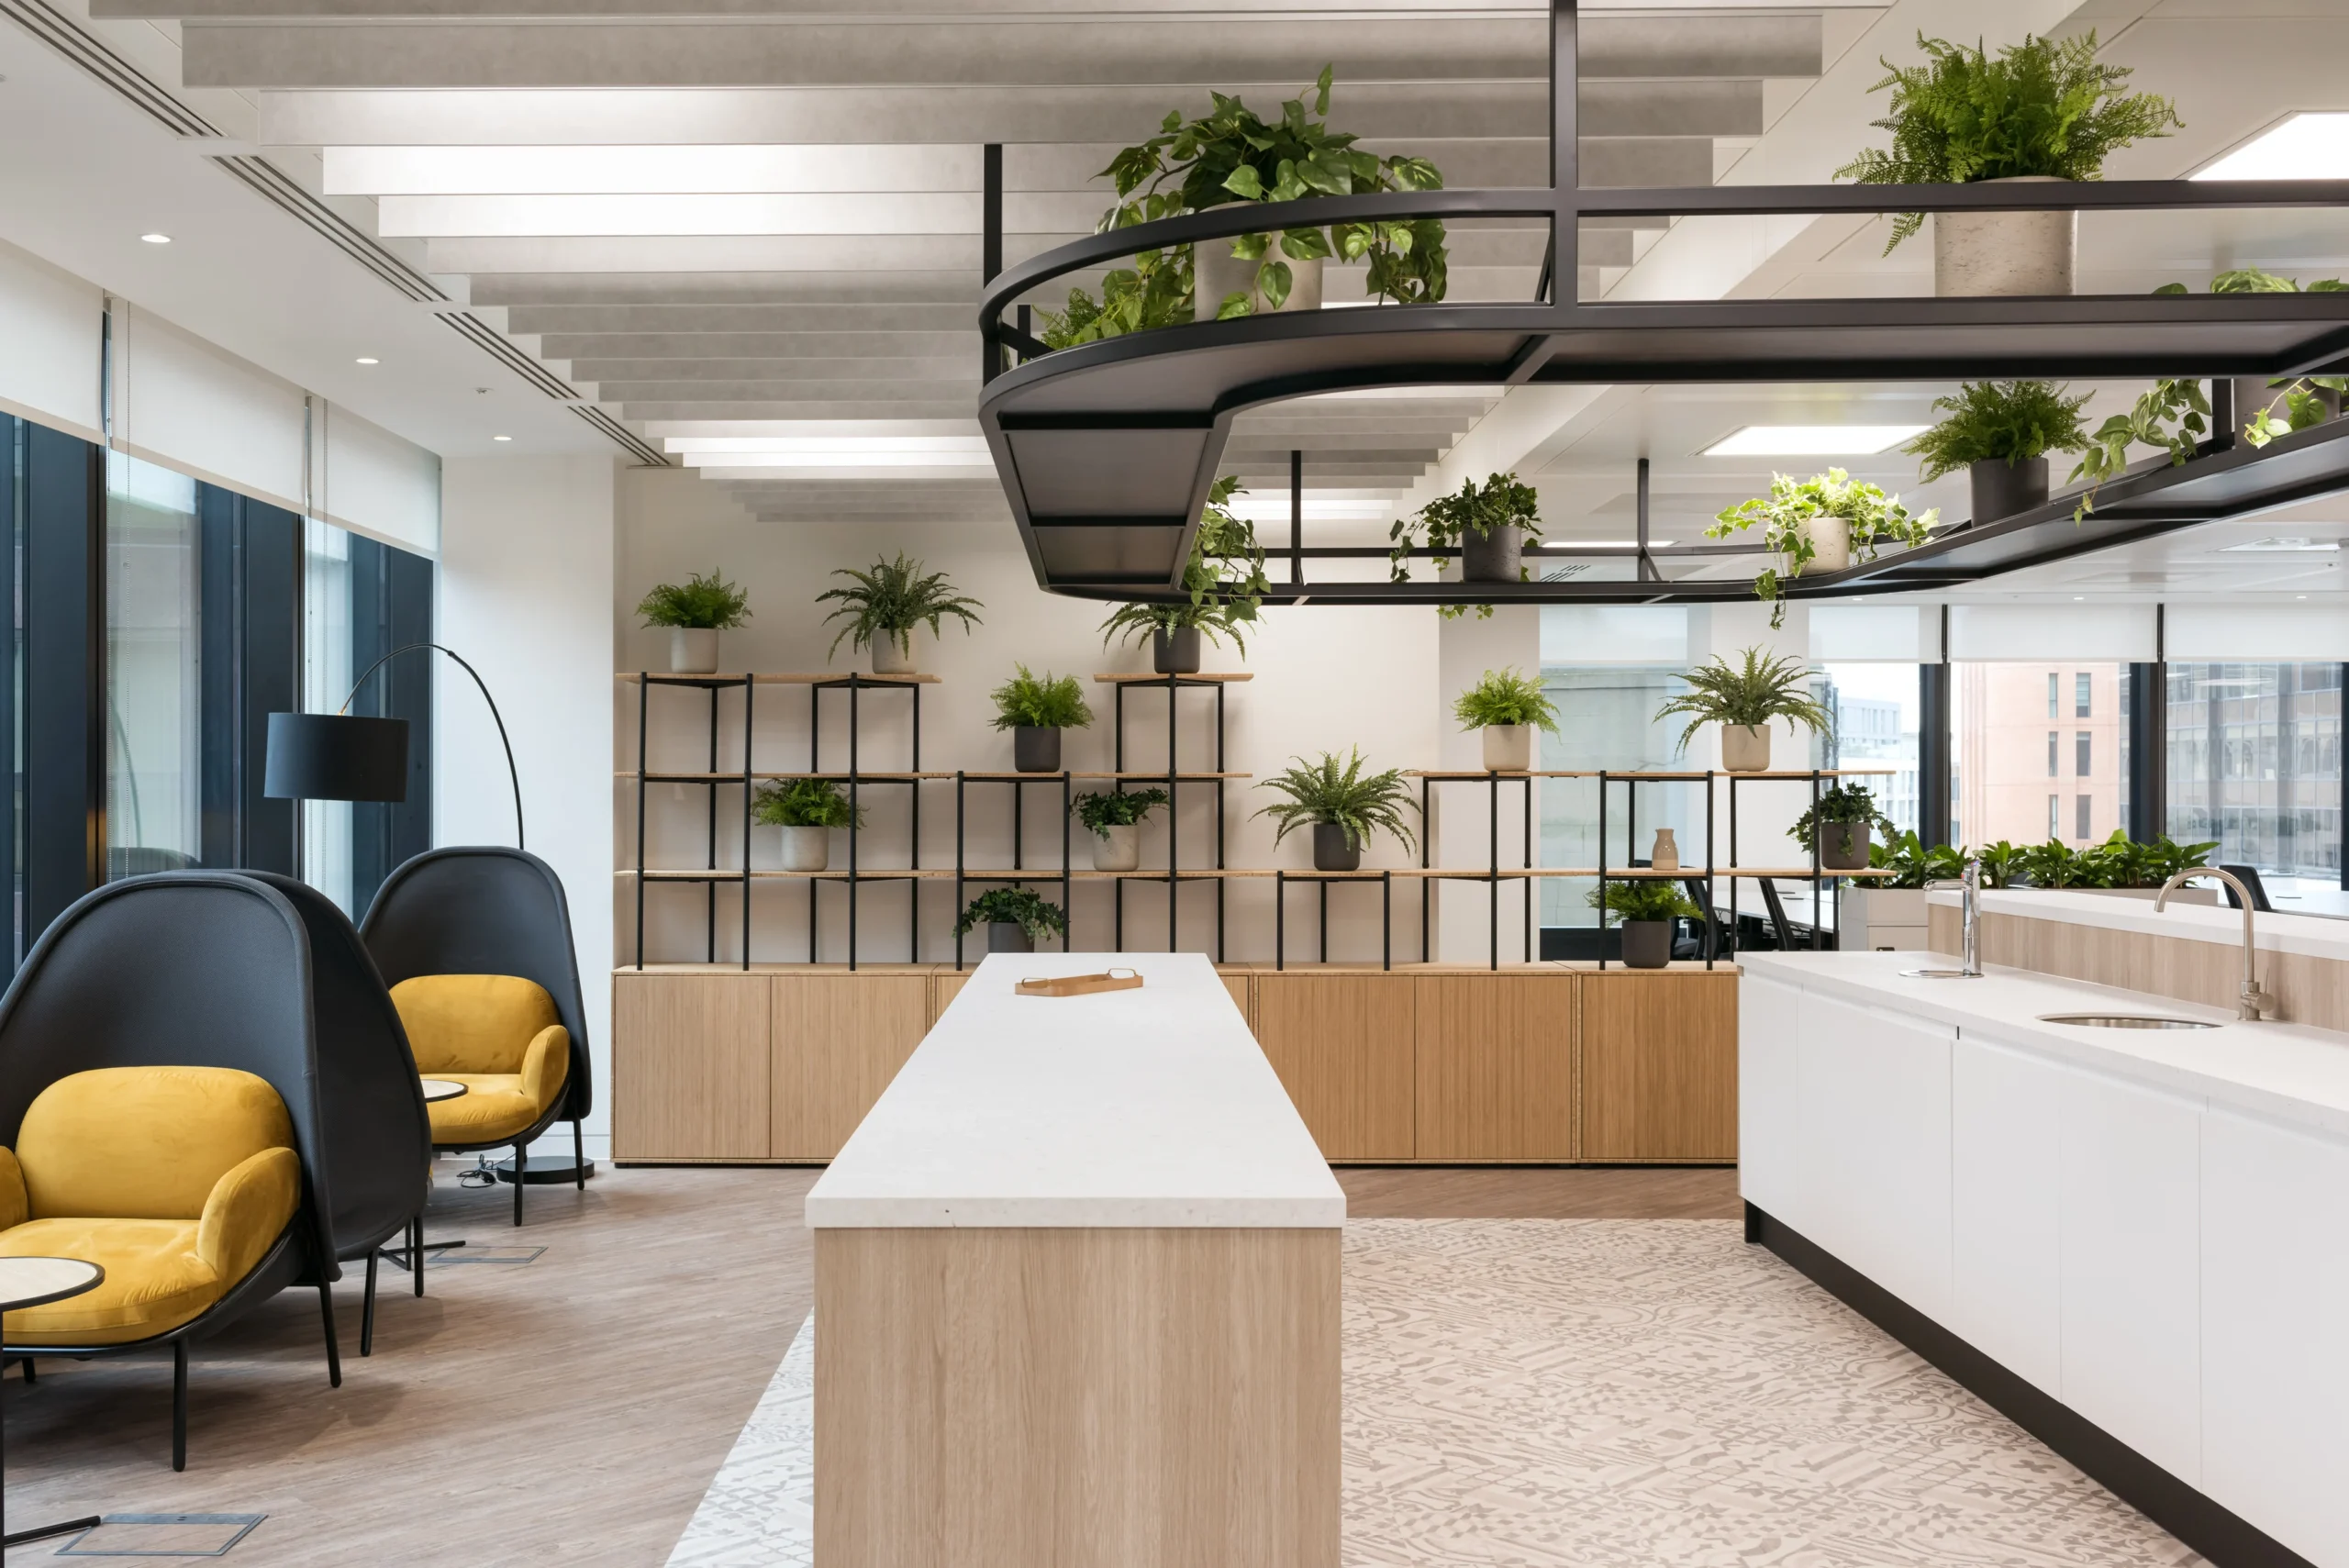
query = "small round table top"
x=438 y=1089
x=36 y=1281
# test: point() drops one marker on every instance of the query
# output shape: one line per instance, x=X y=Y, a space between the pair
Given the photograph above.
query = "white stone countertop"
x=1149 y=1107
x=2288 y=1072
x=2311 y=936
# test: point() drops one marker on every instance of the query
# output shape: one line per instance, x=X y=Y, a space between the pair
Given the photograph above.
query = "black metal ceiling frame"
x=1132 y=385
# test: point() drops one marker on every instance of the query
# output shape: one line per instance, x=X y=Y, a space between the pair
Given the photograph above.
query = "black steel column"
x=2148 y=721
x=1648 y=572
x=1565 y=166
x=990 y=245
x=1932 y=755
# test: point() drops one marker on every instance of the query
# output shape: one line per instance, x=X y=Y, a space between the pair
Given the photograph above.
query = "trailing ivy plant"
x=1036 y=916
x=1224 y=581
x=2298 y=405
x=1643 y=898
x=1046 y=702
x=1444 y=524
x=1872 y=519
x=892 y=597
x=1339 y=793
x=1120 y=808
x=1505 y=697
x=699 y=603
x=804 y=803
x=2174 y=416
x=2043 y=107
x=2000 y=421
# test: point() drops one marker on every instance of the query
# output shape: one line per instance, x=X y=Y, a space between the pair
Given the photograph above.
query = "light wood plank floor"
x=567 y=1411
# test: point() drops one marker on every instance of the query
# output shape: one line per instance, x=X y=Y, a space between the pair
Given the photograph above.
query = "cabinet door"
x=839 y=1039
x=1769 y=1101
x=1343 y=1045
x=944 y=986
x=689 y=1067
x=1496 y=1067
x=1874 y=1149
x=1659 y=1066
x=1241 y=997
x=2006 y=1283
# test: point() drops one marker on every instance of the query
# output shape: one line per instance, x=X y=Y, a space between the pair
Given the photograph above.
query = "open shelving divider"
x=1175 y=778
x=1017 y=876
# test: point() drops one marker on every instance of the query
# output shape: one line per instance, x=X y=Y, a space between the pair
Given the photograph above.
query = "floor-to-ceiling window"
x=2037 y=752
x=154 y=667
x=2255 y=763
x=326 y=679
x=1876 y=711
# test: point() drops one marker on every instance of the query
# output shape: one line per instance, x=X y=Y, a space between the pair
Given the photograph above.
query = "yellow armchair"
x=497 y=1035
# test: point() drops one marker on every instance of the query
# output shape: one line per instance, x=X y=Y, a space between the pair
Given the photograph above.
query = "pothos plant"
x=1444 y=524
x=1784 y=516
x=2297 y=405
x=1232 y=155
x=1224 y=581
x=1842 y=804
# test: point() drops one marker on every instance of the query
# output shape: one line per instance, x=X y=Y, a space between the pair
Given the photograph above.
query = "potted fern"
x=1115 y=821
x=2000 y=433
x=1645 y=907
x=695 y=611
x=1036 y=710
x=1824 y=522
x=1342 y=806
x=1488 y=525
x=2042 y=110
x=807 y=811
x=1224 y=587
x=1508 y=708
x=1839 y=826
x=1015 y=919
x=883 y=603
x=1743 y=699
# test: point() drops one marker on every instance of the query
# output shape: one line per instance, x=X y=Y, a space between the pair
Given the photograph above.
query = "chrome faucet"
x=2251 y=1002
x=1970 y=914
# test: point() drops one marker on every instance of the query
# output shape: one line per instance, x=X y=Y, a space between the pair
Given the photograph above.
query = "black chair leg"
x=367 y=1312
x=416 y=1252
x=179 y=1405
x=521 y=1160
x=334 y=1349
x=578 y=1156
x=28 y=1369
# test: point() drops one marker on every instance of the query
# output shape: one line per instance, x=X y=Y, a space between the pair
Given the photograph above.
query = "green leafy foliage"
x=1339 y=792
x=1224 y=581
x=697 y=602
x=1505 y=697
x=1873 y=519
x=1841 y=803
x=1759 y=688
x=1912 y=862
x=2042 y=107
x=2119 y=861
x=1642 y=898
x=1045 y=702
x=1118 y=810
x=2299 y=402
x=1036 y=916
x=1445 y=522
x=2000 y=421
x=804 y=803
x=891 y=599
x=2173 y=416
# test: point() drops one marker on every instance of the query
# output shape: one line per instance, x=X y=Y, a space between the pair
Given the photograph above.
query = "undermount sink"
x=2125 y=1022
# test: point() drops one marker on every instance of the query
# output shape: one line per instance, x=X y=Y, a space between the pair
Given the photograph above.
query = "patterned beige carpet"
x=1656 y=1394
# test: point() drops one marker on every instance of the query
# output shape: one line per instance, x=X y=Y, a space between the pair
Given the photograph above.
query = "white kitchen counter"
x=1151 y=1107
x=2285 y=1071
x=2311 y=936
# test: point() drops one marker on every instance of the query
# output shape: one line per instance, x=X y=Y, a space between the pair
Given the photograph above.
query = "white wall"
x=1325 y=679
x=526 y=596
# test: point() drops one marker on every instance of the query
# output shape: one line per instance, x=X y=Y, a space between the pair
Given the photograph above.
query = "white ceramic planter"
x=1831 y=546
x=1745 y=748
x=1118 y=847
x=1508 y=747
x=806 y=848
x=692 y=649
x=890 y=657
x=2004 y=253
x=1217 y=274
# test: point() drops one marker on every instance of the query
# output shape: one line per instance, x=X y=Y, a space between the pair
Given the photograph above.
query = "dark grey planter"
x=1008 y=936
x=2001 y=490
x=1332 y=850
x=1175 y=652
x=1495 y=557
x=1844 y=846
x=1036 y=749
x=1647 y=944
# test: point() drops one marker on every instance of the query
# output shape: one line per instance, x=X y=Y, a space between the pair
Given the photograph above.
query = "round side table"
x=438 y=1089
x=37 y=1281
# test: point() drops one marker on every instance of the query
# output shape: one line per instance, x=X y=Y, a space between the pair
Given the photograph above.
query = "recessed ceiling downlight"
x=156 y=239
x=2300 y=146
x=369 y=360
x=501 y=438
x=1811 y=440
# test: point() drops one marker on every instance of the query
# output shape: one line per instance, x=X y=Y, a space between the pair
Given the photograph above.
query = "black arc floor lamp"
x=344 y=756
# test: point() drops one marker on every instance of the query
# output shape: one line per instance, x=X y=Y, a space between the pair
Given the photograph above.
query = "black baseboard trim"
x=2218 y=1534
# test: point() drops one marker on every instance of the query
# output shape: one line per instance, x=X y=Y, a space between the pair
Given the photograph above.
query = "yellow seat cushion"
x=497 y=1036
x=493 y=1107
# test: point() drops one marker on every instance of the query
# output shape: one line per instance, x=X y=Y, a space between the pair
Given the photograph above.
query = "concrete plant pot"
x=2004 y=253
x=1495 y=557
x=1036 y=749
x=1647 y=944
x=806 y=848
x=1844 y=846
x=2001 y=490
x=1175 y=652
x=1332 y=850
x=1118 y=847
x=890 y=657
x=1008 y=936
x=1745 y=748
x=1831 y=548
x=1508 y=747
x=693 y=651
x=1217 y=274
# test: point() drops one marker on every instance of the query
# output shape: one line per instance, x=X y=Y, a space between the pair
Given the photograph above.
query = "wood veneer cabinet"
x=690 y=1066
x=837 y=1040
x=1659 y=1064
x=1346 y=1047
x=1496 y=1066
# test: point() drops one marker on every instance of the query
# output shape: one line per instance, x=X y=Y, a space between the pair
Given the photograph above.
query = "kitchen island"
x=2134 y=1241
x=1076 y=1291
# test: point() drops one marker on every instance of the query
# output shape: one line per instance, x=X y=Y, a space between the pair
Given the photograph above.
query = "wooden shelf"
x=804 y=678
x=666 y=777
x=1146 y=679
x=1477 y=775
x=1044 y=778
x=896 y=873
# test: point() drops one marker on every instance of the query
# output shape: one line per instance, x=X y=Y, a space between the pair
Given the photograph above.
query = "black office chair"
x=2249 y=875
x=490 y=911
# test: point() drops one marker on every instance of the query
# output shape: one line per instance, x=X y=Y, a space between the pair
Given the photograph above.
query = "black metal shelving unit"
x=1174 y=779
x=1017 y=876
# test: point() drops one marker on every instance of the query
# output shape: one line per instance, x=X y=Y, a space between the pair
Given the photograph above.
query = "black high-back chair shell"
x=489 y=910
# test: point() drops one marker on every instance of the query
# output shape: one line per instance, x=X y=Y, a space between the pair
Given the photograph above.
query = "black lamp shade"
x=336 y=756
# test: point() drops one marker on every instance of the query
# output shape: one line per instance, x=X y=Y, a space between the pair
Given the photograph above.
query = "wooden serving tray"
x=1079 y=985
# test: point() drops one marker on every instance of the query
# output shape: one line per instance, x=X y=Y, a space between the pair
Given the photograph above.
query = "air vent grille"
x=281 y=189
x=493 y=344
x=55 y=29
x=647 y=455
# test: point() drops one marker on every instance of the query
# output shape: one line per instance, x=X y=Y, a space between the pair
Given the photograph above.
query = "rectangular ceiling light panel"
x=972 y=445
x=1813 y=440
x=2302 y=147
x=646 y=171
x=445 y=217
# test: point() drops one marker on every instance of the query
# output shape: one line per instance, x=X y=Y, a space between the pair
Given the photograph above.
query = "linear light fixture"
x=2282 y=547
x=1601 y=543
x=821 y=446
x=2299 y=147
x=1811 y=440
x=976 y=462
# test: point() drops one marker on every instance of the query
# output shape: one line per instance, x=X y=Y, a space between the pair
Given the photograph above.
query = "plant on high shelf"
x=1015 y=919
x=1839 y=825
x=807 y=811
x=1645 y=908
x=1224 y=587
x=2041 y=109
x=2000 y=433
x=1508 y=706
x=1115 y=821
x=1232 y=155
x=1743 y=699
x=695 y=611
x=1485 y=525
x=2269 y=408
x=1828 y=519
x=1342 y=804
x=883 y=603
x=1036 y=709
